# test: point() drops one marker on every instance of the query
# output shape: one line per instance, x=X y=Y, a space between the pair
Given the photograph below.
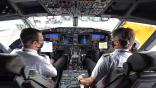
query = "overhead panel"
x=76 y=7
x=28 y=7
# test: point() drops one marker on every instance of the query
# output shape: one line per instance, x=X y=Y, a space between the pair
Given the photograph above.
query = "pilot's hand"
x=52 y=61
x=80 y=77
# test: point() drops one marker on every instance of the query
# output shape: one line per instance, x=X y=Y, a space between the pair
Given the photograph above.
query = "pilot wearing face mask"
x=32 y=40
x=123 y=39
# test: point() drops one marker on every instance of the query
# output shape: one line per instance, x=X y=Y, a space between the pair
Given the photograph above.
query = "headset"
x=123 y=43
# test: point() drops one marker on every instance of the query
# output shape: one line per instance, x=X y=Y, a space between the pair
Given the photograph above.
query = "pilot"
x=32 y=40
x=123 y=39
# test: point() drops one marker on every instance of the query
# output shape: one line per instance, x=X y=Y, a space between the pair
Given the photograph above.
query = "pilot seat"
x=14 y=74
x=138 y=72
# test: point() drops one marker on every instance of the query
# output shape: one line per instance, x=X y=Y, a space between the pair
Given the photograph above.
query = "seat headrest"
x=10 y=63
x=141 y=61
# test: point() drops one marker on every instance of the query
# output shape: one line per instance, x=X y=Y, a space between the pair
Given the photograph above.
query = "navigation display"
x=84 y=39
x=66 y=39
x=97 y=37
x=52 y=37
x=99 y=40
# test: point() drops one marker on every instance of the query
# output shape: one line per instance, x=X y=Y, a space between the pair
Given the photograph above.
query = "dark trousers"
x=60 y=64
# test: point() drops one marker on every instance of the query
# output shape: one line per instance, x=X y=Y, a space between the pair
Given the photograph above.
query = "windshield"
x=10 y=30
x=46 y=22
x=97 y=22
x=142 y=31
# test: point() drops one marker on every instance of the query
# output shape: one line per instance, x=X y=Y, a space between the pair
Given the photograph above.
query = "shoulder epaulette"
x=105 y=55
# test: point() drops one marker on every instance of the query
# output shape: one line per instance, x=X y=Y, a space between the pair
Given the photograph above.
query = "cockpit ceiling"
x=129 y=9
x=56 y=7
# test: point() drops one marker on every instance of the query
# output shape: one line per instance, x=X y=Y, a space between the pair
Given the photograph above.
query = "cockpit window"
x=103 y=23
x=46 y=22
x=142 y=31
x=10 y=30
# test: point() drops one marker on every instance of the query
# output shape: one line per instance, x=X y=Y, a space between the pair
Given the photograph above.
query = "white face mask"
x=40 y=40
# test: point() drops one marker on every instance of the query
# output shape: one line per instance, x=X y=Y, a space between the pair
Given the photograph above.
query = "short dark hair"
x=124 y=34
x=29 y=35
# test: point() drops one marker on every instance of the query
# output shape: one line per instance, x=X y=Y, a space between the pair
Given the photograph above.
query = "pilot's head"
x=123 y=38
x=31 y=38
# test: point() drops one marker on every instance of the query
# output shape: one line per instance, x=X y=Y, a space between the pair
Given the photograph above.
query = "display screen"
x=84 y=39
x=99 y=40
x=66 y=39
x=96 y=37
x=52 y=37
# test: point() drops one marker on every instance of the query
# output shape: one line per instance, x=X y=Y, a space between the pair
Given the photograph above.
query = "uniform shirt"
x=35 y=61
x=103 y=66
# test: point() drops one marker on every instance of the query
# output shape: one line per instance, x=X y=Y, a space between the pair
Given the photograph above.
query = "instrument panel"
x=61 y=38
